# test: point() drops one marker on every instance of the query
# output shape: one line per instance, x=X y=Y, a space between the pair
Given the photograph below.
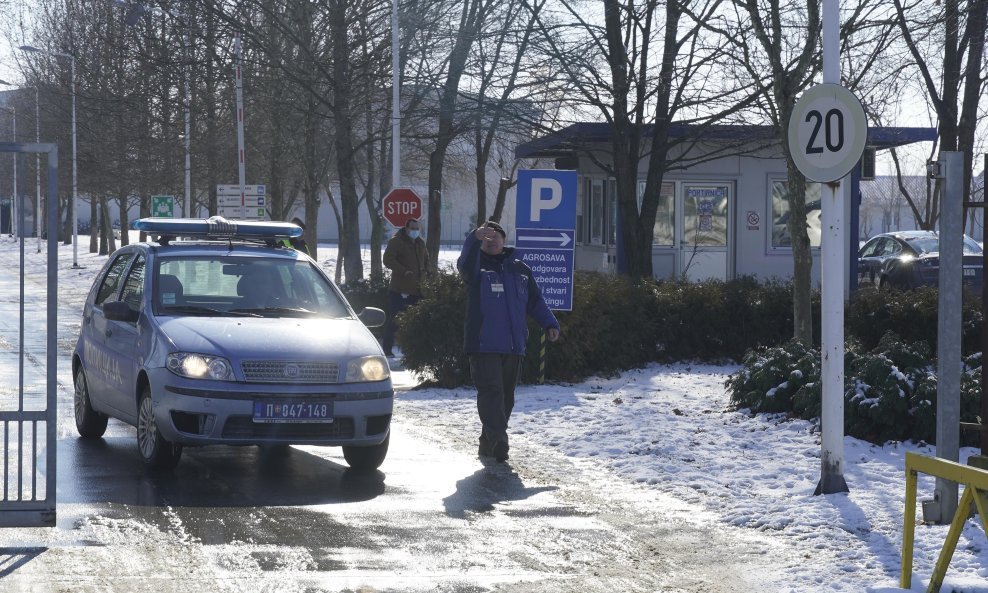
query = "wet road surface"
x=434 y=518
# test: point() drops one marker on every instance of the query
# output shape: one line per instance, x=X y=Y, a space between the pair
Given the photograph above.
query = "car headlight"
x=368 y=368
x=199 y=366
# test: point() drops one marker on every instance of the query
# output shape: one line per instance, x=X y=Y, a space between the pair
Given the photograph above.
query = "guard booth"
x=722 y=208
x=28 y=365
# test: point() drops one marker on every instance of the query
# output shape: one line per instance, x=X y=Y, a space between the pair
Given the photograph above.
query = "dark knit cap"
x=493 y=225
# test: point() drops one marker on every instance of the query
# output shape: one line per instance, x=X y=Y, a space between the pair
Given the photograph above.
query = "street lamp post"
x=75 y=186
x=13 y=202
x=37 y=158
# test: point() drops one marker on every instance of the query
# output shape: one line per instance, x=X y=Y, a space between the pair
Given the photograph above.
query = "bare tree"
x=961 y=53
x=646 y=69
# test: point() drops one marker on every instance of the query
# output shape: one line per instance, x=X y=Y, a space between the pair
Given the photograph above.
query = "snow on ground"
x=669 y=429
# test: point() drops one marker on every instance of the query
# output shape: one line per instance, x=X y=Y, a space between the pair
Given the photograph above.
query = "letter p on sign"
x=547 y=194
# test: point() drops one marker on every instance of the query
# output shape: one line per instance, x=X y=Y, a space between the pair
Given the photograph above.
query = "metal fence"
x=28 y=368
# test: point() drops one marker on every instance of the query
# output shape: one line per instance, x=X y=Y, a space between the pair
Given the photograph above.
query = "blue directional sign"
x=545 y=231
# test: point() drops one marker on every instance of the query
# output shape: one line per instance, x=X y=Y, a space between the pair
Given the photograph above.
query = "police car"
x=217 y=333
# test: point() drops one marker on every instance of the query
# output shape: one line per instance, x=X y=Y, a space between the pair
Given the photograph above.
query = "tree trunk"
x=343 y=142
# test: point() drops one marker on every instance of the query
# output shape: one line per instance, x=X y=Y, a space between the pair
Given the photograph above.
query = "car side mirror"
x=120 y=311
x=372 y=317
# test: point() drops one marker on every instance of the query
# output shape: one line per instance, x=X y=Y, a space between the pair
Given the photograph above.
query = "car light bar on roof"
x=217 y=227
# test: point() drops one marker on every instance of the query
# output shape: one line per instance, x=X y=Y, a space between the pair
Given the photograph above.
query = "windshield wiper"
x=199 y=310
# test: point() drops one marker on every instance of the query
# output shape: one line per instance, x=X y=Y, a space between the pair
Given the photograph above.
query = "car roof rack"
x=217 y=228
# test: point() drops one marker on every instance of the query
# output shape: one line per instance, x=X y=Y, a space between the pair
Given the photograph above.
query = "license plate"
x=288 y=411
x=970 y=272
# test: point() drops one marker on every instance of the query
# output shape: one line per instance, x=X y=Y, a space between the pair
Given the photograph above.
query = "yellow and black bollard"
x=542 y=341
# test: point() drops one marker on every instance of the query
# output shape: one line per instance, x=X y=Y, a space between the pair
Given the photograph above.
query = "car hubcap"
x=80 y=395
x=147 y=432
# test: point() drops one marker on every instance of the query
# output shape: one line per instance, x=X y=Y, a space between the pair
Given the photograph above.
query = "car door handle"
x=108 y=333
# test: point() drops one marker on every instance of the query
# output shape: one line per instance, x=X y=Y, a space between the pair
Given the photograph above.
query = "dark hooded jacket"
x=501 y=293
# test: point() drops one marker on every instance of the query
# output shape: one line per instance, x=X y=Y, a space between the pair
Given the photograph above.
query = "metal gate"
x=28 y=412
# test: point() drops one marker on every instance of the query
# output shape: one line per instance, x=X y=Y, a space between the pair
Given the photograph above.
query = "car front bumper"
x=196 y=412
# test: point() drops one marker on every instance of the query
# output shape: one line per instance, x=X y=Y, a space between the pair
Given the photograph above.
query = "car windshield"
x=931 y=244
x=244 y=287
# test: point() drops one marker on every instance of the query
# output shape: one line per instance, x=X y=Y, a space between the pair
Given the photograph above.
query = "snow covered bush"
x=771 y=379
x=887 y=396
x=889 y=392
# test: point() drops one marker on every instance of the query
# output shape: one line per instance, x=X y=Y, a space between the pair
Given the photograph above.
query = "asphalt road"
x=434 y=518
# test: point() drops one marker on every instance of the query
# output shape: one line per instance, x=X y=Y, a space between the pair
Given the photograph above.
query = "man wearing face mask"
x=408 y=260
x=501 y=294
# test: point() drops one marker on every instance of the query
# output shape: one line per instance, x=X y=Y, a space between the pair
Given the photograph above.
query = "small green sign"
x=163 y=206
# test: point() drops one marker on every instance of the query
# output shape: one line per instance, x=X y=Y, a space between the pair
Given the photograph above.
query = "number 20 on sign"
x=827 y=132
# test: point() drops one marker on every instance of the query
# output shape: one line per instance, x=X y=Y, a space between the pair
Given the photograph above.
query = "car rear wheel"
x=90 y=423
x=156 y=452
x=366 y=458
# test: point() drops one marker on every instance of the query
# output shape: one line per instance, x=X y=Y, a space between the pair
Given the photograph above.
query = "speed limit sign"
x=827 y=132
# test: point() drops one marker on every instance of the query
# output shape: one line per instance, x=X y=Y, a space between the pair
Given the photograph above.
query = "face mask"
x=413 y=234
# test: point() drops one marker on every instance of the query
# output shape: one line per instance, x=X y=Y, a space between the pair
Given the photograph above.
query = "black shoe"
x=389 y=354
x=499 y=451
x=484 y=448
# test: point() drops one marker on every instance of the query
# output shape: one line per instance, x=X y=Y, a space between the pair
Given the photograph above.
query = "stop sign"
x=400 y=204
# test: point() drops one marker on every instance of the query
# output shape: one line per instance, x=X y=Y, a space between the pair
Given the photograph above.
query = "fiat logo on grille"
x=291 y=371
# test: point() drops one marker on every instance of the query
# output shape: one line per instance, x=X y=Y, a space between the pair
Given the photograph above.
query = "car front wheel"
x=156 y=452
x=366 y=458
x=90 y=423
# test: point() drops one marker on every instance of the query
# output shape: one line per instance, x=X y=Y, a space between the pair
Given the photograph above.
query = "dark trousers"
x=397 y=304
x=495 y=376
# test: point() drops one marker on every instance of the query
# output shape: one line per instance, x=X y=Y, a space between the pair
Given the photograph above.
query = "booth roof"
x=568 y=140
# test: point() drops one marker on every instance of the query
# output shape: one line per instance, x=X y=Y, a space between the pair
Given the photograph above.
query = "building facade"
x=722 y=209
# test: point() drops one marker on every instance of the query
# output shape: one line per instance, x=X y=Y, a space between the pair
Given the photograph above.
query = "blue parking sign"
x=545 y=231
x=546 y=199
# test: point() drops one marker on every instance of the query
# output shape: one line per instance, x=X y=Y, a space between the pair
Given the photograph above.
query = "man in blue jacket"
x=501 y=293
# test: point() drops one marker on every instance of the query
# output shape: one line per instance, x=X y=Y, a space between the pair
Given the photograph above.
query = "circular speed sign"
x=827 y=132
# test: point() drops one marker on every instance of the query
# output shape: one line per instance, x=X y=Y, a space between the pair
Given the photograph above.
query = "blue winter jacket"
x=501 y=293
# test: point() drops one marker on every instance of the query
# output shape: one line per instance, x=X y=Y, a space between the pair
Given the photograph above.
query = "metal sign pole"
x=237 y=50
x=949 y=323
x=832 y=291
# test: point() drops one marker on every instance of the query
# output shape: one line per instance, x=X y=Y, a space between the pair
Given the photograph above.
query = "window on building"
x=705 y=215
x=597 y=213
x=583 y=190
x=612 y=212
x=664 y=231
x=780 y=214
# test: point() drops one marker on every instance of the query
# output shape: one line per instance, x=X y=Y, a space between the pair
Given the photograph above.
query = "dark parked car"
x=908 y=259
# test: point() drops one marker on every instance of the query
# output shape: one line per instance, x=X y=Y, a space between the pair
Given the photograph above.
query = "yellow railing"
x=975 y=483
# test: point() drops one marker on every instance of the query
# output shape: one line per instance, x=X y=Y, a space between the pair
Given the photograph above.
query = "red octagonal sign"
x=400 y=204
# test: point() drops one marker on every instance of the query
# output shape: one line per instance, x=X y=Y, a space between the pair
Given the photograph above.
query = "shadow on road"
x=109 y=470
x=480 y=491
x=13 y=558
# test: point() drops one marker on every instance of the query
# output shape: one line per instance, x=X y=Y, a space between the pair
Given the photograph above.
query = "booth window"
x=664 y=230
x=705 y=215
x=583 y=190
x=597 y=212
x=612 y=212
x=780 y=214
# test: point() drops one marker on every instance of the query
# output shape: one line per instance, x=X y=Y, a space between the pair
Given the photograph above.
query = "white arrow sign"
x=563 y=239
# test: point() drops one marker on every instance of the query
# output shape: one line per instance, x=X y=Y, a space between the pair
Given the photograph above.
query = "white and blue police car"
x=217 y=333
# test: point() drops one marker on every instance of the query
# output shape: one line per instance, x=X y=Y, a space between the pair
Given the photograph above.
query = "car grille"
x=244 y=427
x=279 y=371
